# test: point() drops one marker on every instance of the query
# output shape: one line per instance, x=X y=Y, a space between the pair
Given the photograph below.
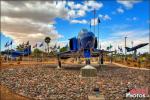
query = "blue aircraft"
x=14 y=54
x=84 y=45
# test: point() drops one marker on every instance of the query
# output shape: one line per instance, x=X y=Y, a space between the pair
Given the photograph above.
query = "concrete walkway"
x=121 y=65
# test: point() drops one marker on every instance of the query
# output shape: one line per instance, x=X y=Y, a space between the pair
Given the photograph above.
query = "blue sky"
x=118 y=19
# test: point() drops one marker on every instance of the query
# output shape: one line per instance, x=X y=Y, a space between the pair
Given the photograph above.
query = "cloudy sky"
x=34 y=20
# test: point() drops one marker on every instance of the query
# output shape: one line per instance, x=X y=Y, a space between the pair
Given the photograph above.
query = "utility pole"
x=125 y=48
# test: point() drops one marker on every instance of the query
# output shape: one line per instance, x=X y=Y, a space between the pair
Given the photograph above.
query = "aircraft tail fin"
x=128 y=49
x=27 y=50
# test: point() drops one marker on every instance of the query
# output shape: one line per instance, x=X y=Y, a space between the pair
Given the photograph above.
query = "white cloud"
x=72 y=5
x=81 y=13
x=28 y=20
x=116 y=39
x=93 y=5
x=79 y=21
x=120 y=10
x=128 y=3
x=148 y=21
x=105 y=17
x=132 y=19
x=79 y=10
x=138 y=35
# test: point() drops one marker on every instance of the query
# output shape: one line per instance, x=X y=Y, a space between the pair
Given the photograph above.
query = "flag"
x=27 y=43
x=35 y=46
x=6 y=45
x=41 y=44
x=23 y=45
x=110 y=46
x=55 y=46
x=120 y=49
x=58 y=47
x=11 y=43
x=98 y=20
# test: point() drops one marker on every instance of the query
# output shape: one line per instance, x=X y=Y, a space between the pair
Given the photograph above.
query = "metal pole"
x=90 y=24
x=11 y=52
x=149 y=40
x=28 y=53
x=125 y=48
x=98 y=37
x=94 y=20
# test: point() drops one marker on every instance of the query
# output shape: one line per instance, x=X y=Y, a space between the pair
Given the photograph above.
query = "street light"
x=125 y=48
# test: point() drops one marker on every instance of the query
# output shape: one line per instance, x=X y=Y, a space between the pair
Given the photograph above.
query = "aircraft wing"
x=97 y=52
x=68 y=54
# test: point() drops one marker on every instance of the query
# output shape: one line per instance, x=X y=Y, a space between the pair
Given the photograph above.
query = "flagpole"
x=94 y=20
x=28 y=55
x=90 y=24
x=23 y=51
x=11 y=52
x=7 y=53
x=98 y=36
x=42 y=55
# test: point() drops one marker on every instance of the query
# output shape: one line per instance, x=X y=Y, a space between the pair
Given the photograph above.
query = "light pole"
x=132 y=45
x=125 y=48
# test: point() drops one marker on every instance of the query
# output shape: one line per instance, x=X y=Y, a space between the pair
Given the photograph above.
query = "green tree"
x=63 y=49
x=37 y=52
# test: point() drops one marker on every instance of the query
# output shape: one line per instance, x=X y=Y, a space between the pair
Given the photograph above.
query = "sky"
x=32 y=21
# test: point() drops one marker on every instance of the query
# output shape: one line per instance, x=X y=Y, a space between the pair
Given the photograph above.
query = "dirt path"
x=6 y=94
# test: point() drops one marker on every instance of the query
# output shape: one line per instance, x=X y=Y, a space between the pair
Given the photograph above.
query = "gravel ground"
x=54 y=84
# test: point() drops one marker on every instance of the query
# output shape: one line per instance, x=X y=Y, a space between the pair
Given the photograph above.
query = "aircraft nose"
x=87 y=42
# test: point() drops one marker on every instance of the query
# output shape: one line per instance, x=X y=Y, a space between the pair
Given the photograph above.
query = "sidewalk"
x=121 y=65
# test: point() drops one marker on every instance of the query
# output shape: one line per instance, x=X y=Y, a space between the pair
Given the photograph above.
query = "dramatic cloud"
x=28 y=20
x=128 y=3
x=34 y=20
